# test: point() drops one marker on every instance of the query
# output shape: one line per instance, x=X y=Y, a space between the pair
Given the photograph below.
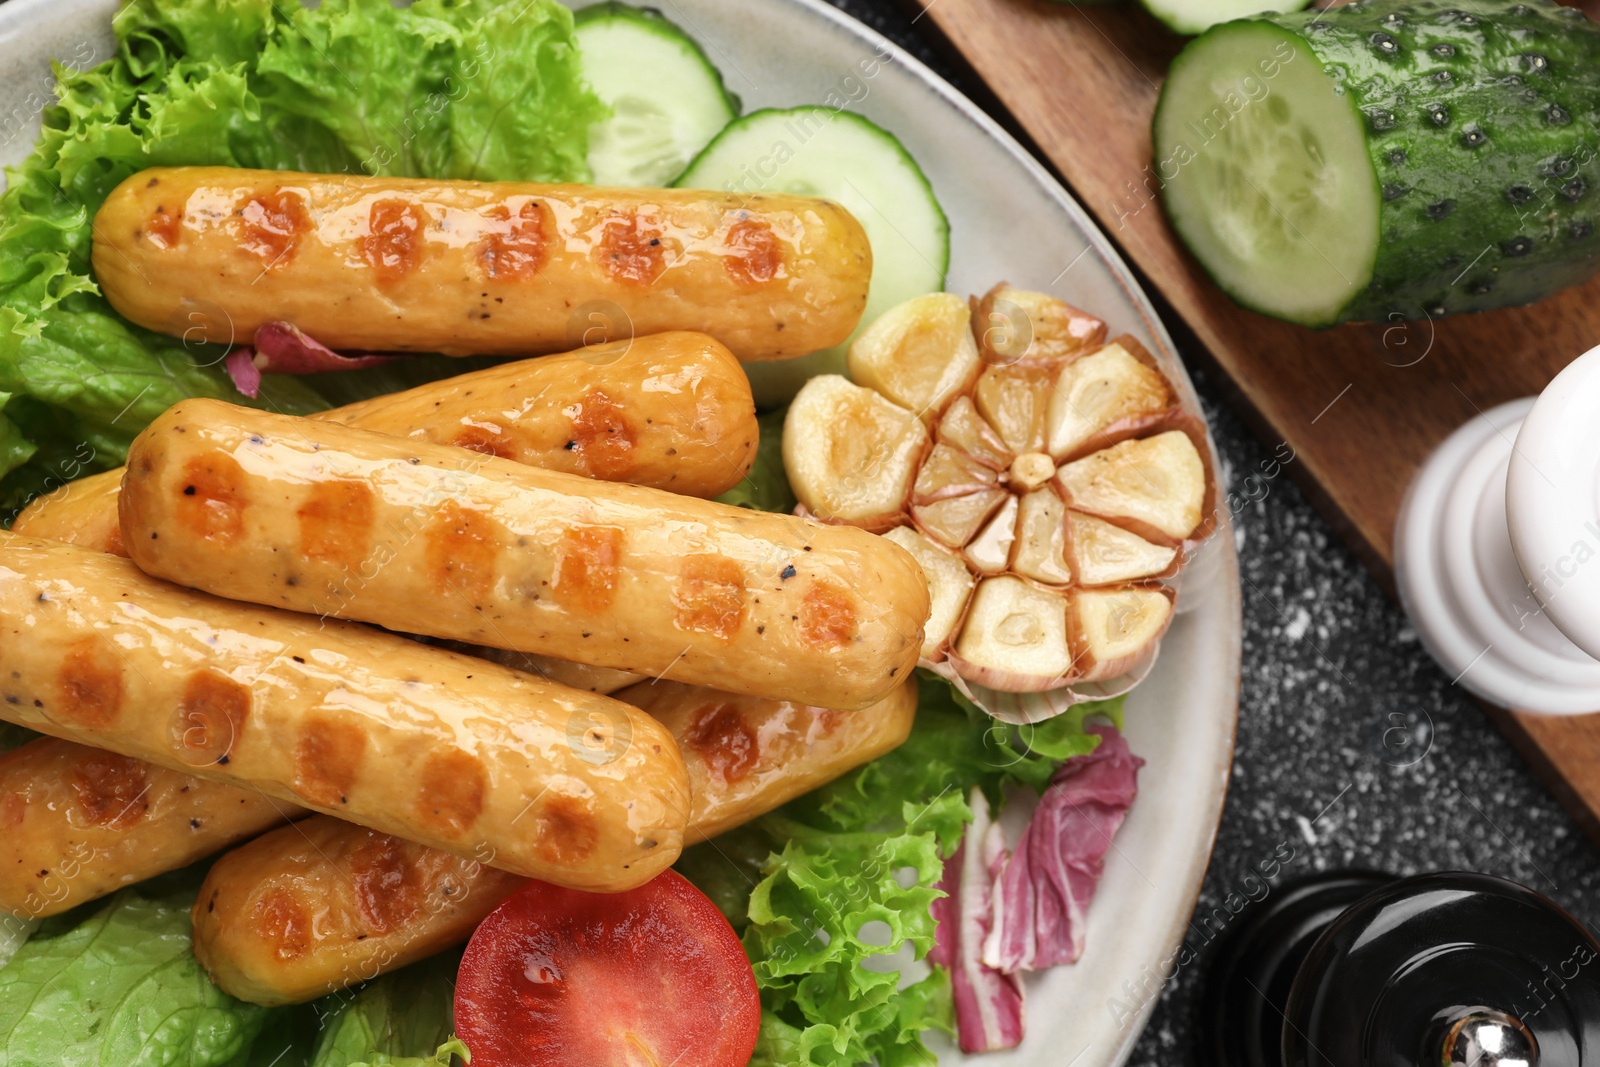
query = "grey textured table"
x=1354 y=749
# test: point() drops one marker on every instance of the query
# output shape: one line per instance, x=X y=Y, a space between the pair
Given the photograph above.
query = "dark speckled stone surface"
x=1354 y=749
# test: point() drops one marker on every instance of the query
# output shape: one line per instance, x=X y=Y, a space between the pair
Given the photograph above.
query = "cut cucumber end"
x=1265 y=173
x=667 y=99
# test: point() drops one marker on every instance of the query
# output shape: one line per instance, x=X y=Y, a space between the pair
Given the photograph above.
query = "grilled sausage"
x=325 y=905
x=299 y=912
x=409 y=265
x=450 y=751
x=672 y=411
x=77 y=823
x=425 y=539
x=747 y=756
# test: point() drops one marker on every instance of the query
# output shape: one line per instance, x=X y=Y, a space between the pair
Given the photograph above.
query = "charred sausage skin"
x=420 y=538
x=671 y=411
x=77 y=823
x=505 y=268
x=444 y=749
x=285 y=918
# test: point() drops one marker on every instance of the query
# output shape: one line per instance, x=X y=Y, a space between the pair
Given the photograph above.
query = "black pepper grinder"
x=1359 y=969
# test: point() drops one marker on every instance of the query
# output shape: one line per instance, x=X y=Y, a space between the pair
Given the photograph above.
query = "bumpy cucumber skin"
x=1482 y=130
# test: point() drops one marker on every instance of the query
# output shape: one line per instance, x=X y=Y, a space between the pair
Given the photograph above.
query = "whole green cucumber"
x=1387 y=160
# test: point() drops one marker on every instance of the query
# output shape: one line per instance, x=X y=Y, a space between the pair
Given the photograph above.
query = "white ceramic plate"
x=1009 y=220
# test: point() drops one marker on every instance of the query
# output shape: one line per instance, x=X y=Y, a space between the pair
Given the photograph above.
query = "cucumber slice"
x=1387 y=160
x=1190 y=17
x=1280 y=204
x=667 y=99
x=816 y=151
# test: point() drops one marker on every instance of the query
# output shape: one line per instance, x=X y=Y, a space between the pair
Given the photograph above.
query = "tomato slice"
x=648 y=978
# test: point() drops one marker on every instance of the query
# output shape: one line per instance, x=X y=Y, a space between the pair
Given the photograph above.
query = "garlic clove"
x=1104 y=554
x=949 y=588
x=1041 y=552
x=1014 y=399
x=1016 y=637
x=850 y=454
x=990 y=551
x=1016 y=324
x=919 y=354
x=962 y=427
x=1115 y=629
x=1154 y=486
x=1101 y=396
x=955 y=521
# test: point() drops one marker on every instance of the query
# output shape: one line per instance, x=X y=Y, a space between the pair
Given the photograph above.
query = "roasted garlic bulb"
x=1048 y=482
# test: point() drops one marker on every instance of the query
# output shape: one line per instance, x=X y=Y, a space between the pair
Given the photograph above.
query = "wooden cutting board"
x=1363 y=405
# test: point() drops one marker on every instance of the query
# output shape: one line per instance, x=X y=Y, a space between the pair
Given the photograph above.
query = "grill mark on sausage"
x=514 y=247
x=462 y=550
x=631 y=249
x=163 y=227
x=210 y=717
x=327 y=759
x=601 y=436
x=755 y=255
x=587 y=568
x=388 y=895
x=719 y=735
x=393 y=244
x=450 y=796
x=567 y=832
x=486 y=440
x=336 y=522
x=110 y=791
x=272 y=226
x=827 y=616
x=283 y=922
x=91 y=685
x=710 y=596
x=212 y=499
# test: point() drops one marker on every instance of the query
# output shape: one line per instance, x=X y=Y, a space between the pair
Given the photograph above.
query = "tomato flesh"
x=648 y=978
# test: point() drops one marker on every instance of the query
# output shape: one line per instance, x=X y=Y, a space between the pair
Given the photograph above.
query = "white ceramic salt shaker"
x=1497 y=549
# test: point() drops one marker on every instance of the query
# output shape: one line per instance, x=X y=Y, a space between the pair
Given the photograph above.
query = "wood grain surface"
x=1361 y=405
